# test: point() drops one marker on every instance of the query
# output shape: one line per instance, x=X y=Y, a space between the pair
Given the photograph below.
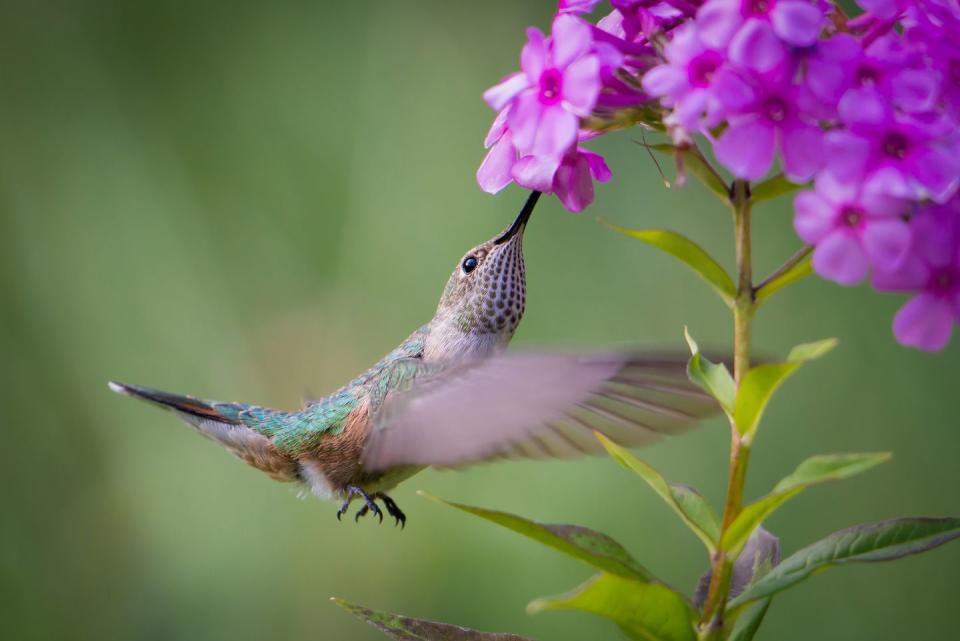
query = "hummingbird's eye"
x=469 y=264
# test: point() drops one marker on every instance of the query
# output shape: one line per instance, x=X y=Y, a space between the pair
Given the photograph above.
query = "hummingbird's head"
x=484 y=299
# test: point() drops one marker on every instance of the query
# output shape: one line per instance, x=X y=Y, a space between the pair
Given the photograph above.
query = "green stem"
x=711 y=621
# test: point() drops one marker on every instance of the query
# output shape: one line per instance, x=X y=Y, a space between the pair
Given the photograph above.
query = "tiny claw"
x=393 y=510
x=343 y=509
x=361 y=512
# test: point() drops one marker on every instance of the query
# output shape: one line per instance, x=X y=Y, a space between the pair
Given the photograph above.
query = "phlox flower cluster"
x=863 y=111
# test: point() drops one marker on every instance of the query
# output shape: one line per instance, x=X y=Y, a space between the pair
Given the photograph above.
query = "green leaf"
x=830 y=467
x=870 y=542
x=692 y=508
x=759 y=384
x=594 y=548
x=809 y=351
x=690 y=158
x=814 y=470
x=694 y=256
x=643 y=611
x=797 y=271
x=403 y=628
x=749 y=622
x=712 y=377
x=773 y=188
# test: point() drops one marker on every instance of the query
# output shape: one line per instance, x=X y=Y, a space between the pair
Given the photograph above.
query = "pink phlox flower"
x=504 y=163
x=756 y=33
x=685 y=82
x=932 y=274
x=765 y=117
x=570 y=177
x=890 y=152
x=898 y=71
x=559 y=83
x=852 y=231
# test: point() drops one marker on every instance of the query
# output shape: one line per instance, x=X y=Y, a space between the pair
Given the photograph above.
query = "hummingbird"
x=449 y=396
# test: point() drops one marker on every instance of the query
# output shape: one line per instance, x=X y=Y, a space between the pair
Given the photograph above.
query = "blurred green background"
x=256 y=201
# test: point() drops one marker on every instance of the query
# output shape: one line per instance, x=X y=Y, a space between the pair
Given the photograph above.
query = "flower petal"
x=533 y=56
x=937 y=171
x=524 y=119
x=571 y=39
x=581 y=85
x=598 y=166
x=882 y=9
x=825 y=79
x=840 y=258
x=934 y=236
x=573 y=185
x=732 y=92
x=499 y=95
x=890 y=180
x=846 y=156
x=841 y=47
x=925 y=322
x=693 y=111
x=798 y=23
x=886 y=243
x=666 y=81
x=497 y=129
x=556 y=132
x=836 y=191
x=864 y=106
x=756 y=46
x=746 y=149
x=535 y=172
x=495 y=171
x=814 y=217
x=802 y=149
x=576 y=6
x=717 y=21
x=915 y=90
x=910 y=276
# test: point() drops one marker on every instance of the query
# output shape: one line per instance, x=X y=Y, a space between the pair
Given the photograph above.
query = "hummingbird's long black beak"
x=521 y=220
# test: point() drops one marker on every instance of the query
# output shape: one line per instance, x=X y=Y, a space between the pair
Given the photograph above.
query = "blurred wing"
x=535 y=406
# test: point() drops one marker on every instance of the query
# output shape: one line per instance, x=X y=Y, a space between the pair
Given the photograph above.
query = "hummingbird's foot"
x=370 y=504
x=393 y=510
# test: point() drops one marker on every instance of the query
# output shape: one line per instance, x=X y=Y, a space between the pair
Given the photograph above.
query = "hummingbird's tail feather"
x=224 y=423
x=197 y=409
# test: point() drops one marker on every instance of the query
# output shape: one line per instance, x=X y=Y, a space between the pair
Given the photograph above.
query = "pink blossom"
x=570 y=178
x=932 y=274
x=558 y=85
x=851 y=231
x=765 y=117
x=756 y=33
x=685 y=81
x=892 y=152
